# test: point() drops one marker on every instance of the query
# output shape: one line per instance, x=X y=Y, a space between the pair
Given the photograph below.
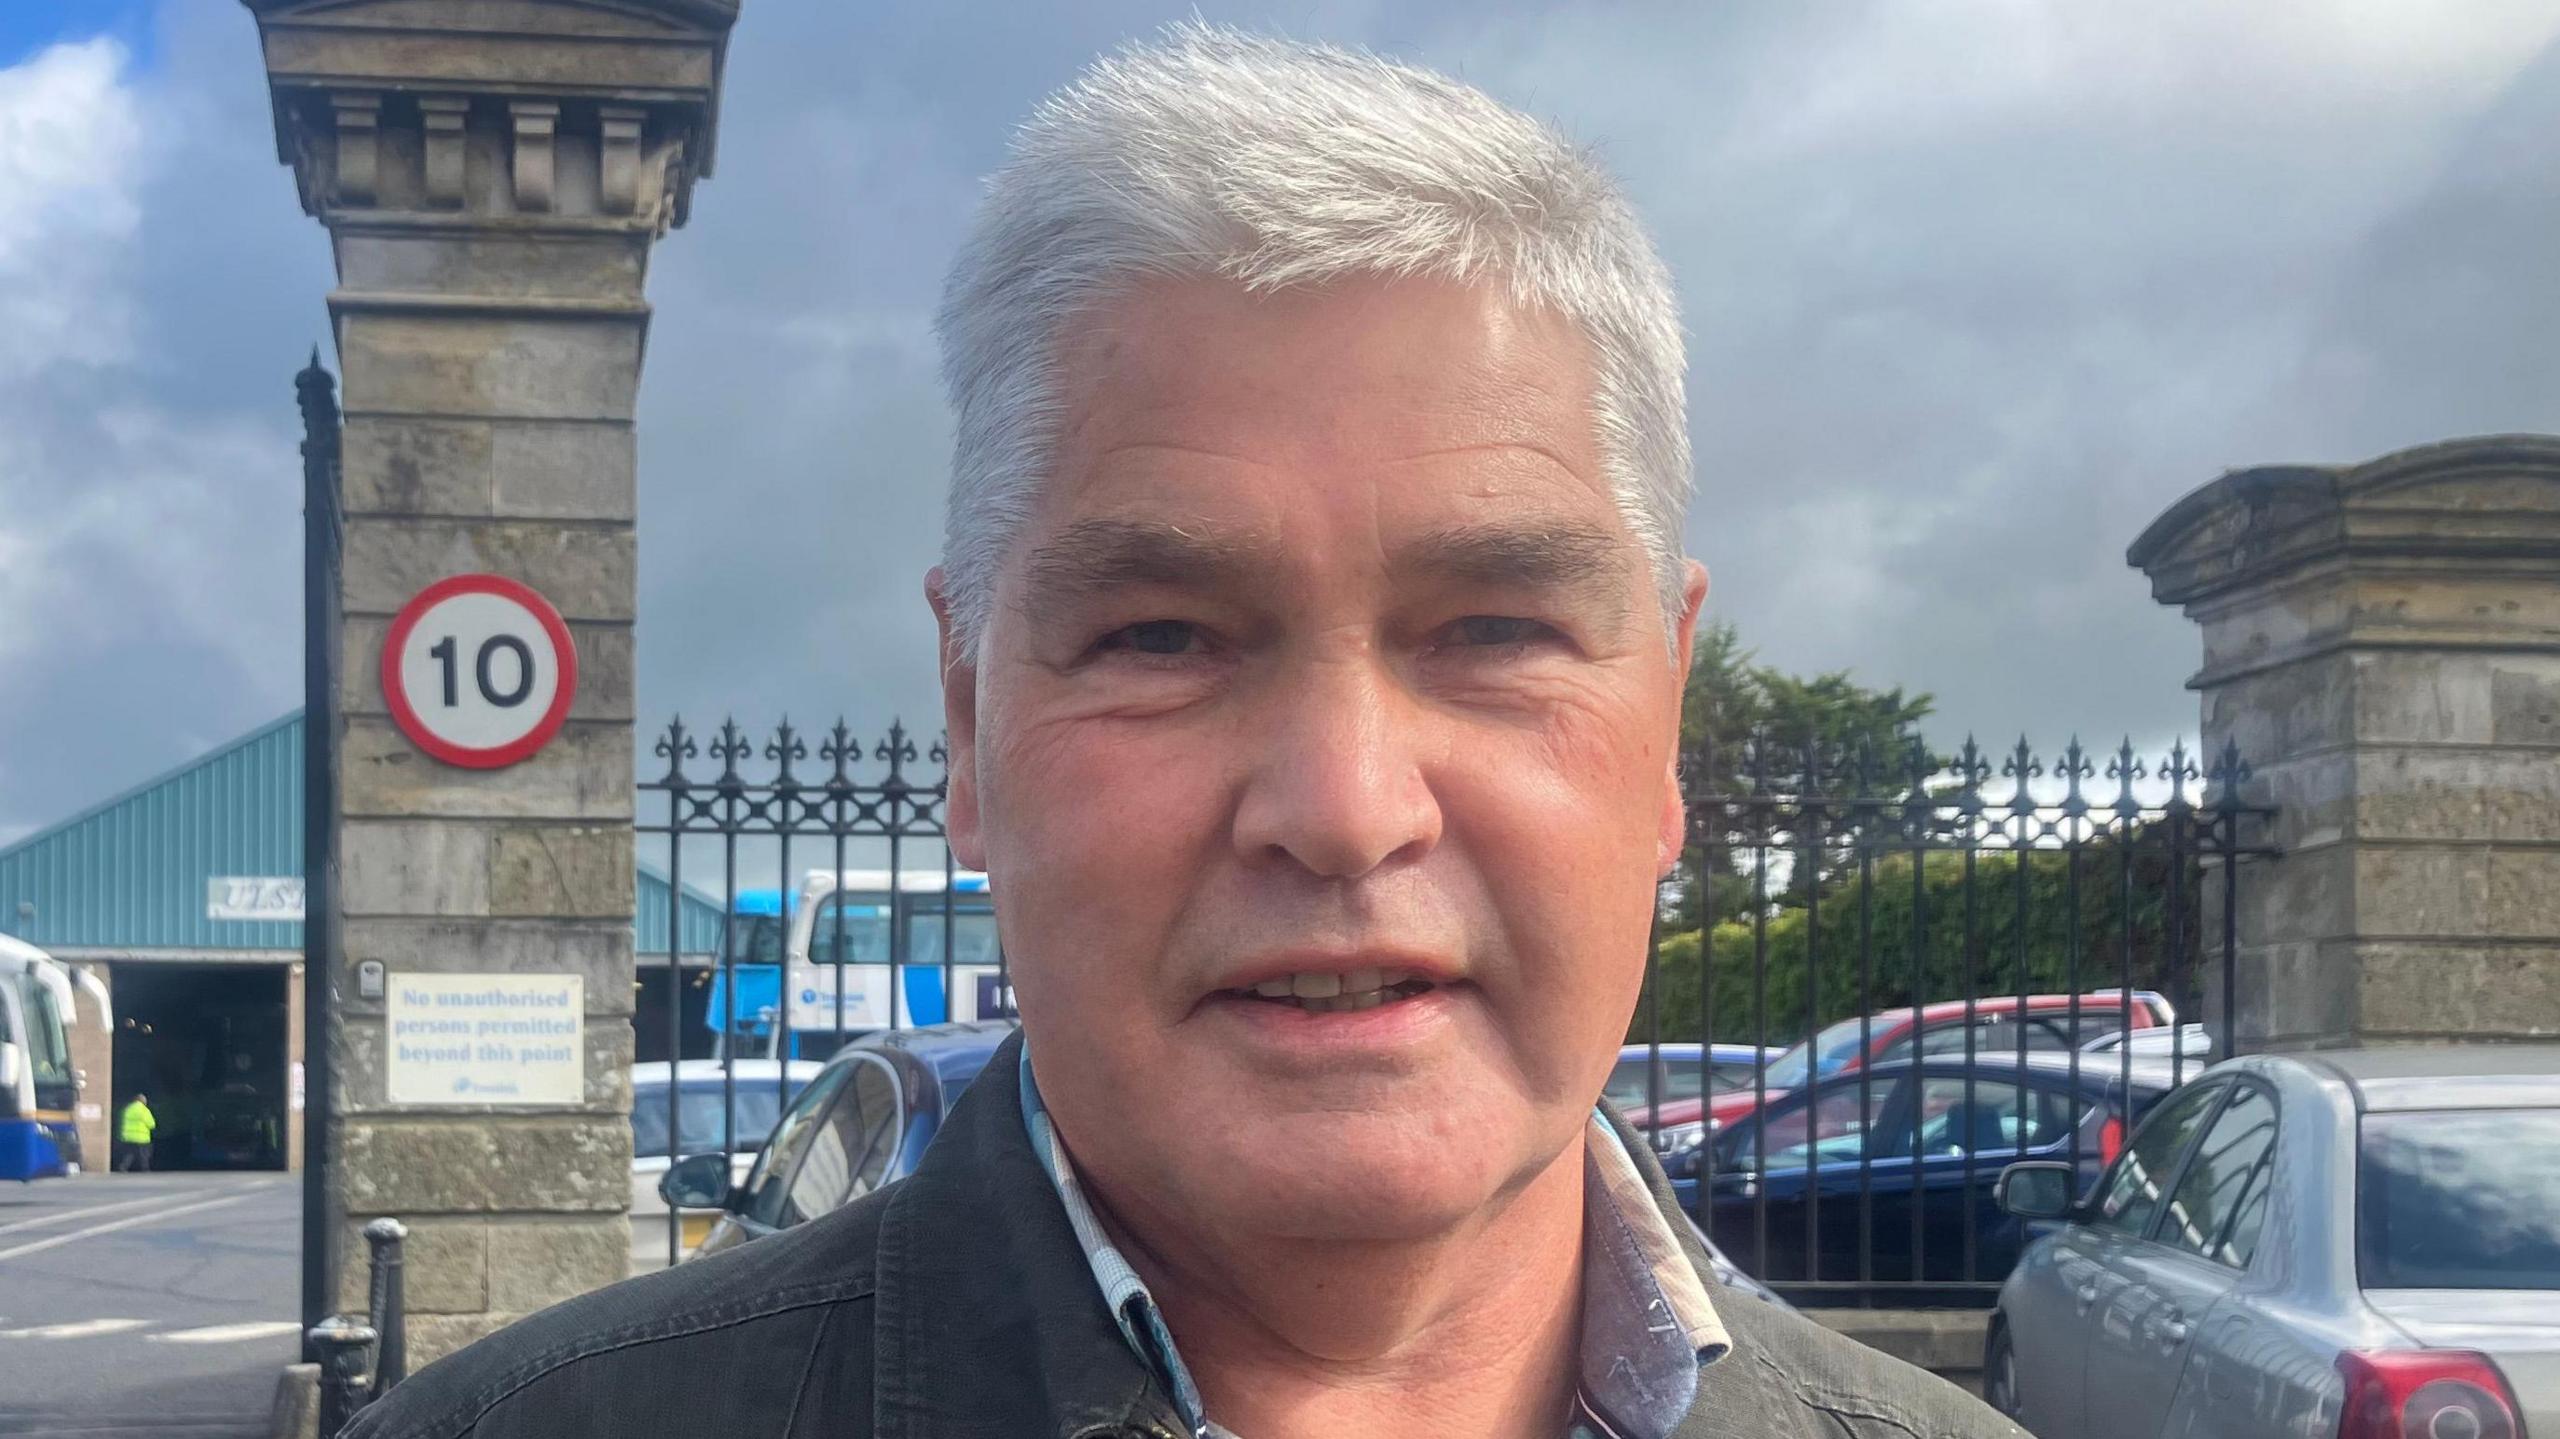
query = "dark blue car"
x=1885 y=1174
x=863 y=1122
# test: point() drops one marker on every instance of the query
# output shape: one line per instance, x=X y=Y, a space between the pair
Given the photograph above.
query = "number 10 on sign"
x=479 y=671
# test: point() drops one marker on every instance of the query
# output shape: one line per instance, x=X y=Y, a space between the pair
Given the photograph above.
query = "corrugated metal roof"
x=130 y=872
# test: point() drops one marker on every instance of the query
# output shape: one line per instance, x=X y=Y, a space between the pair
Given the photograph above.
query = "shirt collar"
x=1647 y=1322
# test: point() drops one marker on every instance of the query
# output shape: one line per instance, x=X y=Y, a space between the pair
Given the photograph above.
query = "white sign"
x=479 y=671
x=473 y=1039
x=233 y=896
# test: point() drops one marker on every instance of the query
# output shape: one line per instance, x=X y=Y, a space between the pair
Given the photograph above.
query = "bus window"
x=973 y=929
x=852 y=928
x=755 y=938
x=48 y=1051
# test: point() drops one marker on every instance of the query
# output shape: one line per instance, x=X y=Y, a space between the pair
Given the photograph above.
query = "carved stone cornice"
x=2478 y=505
x=580 y=113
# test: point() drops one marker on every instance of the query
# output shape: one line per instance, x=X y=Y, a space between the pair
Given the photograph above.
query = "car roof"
x=691 y=1071
x=2147 y=1072
x=955 y=1052
x=2096 y=1000
x=2447 y=1076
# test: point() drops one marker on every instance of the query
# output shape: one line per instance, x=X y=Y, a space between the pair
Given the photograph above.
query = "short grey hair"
x=1208 y=151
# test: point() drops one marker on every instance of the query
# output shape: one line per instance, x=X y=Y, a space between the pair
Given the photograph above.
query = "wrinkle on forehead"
x=1393 y=369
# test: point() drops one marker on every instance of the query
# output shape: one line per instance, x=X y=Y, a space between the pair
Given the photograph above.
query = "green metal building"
x=184 y=894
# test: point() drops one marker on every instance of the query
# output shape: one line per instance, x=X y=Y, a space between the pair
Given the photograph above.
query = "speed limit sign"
x=479 y=671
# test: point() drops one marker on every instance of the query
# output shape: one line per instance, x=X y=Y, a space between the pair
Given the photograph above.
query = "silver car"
x=2360 y=1244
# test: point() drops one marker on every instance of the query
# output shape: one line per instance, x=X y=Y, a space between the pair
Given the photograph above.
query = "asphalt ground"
x=158 y=1305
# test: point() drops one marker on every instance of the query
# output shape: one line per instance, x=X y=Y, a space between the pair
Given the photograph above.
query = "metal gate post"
x=391 y=1363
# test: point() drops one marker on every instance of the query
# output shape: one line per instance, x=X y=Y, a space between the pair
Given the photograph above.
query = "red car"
x=2054 y=1022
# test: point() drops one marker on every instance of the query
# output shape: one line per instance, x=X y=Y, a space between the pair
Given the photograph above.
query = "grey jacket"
x=956 y=1304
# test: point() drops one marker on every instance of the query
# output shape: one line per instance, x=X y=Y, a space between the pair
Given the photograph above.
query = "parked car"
x=862 y=1122
x=756 y=1095
x=2054 y=1022
x=1686 y=1071
x=1888 y=1174
x=2358 y=1243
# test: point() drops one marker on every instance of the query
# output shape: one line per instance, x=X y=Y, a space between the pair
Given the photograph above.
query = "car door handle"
x=2087 y=1295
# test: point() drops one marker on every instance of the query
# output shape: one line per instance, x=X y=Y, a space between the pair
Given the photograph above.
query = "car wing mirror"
x=697 y=1181
x=2036 y=1189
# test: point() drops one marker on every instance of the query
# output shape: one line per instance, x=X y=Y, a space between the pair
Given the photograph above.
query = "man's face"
x=1320 y=753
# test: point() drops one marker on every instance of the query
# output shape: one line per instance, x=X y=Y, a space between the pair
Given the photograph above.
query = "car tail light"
x=2110 y=1141
x=2425 y=1394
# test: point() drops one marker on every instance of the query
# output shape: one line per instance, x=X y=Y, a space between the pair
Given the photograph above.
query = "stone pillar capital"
x=2494 y=499
x=2392 y=552
x=591 y=116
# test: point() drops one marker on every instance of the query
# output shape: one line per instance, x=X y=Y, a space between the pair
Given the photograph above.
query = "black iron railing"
x=805 y=905
x=1915 y=969
x=1979 y=959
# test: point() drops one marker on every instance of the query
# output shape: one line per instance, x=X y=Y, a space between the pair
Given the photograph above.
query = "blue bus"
x=842 y=955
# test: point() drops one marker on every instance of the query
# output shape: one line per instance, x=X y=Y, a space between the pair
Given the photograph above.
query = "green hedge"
x=1925 y=957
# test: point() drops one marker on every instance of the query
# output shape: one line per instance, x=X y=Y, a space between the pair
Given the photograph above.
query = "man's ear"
x=1675 y=817
x=960 y=726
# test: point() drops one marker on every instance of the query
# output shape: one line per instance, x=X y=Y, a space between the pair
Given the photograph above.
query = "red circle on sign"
x=395 y=689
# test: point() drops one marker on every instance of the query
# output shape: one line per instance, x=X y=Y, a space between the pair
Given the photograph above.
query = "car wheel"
x=2000 y=1372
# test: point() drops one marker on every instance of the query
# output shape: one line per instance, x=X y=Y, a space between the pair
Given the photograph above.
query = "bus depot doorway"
x=207 y=1044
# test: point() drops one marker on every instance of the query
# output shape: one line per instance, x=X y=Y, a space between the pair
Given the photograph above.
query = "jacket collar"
x=980 y=1277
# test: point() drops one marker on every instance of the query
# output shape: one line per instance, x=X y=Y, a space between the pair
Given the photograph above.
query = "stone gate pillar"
x=2383 y=642
x=492 y=174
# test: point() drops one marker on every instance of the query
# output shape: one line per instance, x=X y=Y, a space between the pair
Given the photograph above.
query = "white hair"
x=1272 y=163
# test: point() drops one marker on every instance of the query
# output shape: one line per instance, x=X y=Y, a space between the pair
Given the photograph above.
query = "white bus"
x=858 y=958
x=39 y=1090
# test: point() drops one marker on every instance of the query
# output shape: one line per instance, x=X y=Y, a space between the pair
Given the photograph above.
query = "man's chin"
x=1357 y=1178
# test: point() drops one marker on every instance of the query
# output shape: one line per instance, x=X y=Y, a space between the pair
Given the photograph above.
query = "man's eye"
x=1496 y=630
x=1153 y=637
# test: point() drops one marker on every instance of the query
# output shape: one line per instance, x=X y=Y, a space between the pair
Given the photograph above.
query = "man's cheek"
x=1101 y=835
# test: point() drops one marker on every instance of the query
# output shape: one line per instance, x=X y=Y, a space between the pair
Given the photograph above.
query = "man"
x=1313 y=626
x=134 y=1124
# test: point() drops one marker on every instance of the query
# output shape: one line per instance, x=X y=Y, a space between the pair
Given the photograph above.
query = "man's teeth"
x=1330 y=991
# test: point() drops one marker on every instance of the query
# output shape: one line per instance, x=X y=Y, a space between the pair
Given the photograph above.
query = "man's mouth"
x=1334 y=991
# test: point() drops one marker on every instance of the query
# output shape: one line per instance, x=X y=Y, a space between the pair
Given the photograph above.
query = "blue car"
x=863 y=1122
x=1885 y=1175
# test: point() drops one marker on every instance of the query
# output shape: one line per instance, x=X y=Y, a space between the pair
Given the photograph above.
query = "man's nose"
x=1338 y=786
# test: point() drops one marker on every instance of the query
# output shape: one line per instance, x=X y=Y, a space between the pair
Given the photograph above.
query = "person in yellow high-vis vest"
x=134 y=1124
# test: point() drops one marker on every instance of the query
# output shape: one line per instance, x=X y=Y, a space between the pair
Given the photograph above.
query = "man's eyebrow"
x=1097 y=556
x=1091 y=556
x=1538 y=556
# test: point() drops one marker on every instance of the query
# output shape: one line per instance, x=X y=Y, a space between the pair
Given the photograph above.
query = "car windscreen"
x=698 y=1117
x=1828 y=1053
x=1630 y=1088
x=2459 y=1199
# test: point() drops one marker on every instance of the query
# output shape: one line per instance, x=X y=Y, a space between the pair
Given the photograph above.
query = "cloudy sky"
x=1975 y=288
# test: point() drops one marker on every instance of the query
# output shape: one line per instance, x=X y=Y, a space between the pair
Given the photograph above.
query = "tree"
x=1742 y=722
